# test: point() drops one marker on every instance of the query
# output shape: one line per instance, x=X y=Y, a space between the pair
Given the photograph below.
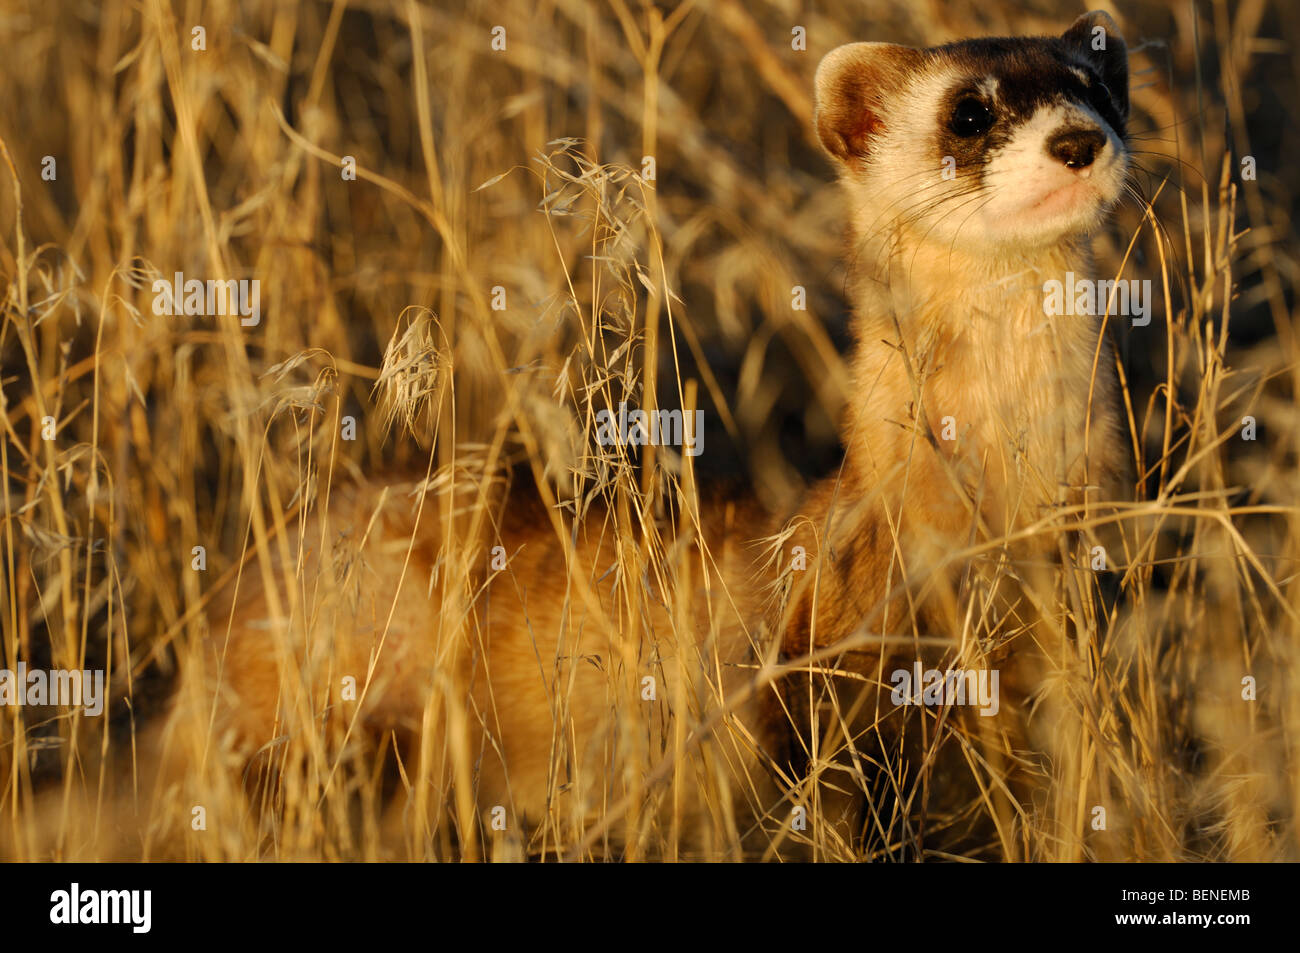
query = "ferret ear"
x=853 y=82
x=1096 y=38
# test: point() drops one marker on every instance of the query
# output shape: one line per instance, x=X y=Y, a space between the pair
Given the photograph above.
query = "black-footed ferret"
x=535 y=695
x=974 y=172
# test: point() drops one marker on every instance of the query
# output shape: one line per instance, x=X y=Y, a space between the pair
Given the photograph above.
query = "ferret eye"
x=970 y=118
x=1099 y=96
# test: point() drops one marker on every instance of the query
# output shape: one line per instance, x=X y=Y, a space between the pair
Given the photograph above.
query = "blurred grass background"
x=226 y=162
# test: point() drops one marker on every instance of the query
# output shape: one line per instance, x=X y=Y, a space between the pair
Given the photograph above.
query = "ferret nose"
x=1076 y=148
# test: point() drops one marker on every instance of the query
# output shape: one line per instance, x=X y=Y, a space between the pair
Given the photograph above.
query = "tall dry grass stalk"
x=483 y=174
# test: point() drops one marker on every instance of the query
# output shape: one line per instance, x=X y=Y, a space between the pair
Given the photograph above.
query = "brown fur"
x=511 y=687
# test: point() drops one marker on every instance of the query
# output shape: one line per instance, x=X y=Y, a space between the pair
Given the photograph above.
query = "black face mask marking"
x=1027 y=75
x=1098 y=96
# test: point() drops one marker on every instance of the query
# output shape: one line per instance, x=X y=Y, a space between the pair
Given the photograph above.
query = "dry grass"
x=377 y=303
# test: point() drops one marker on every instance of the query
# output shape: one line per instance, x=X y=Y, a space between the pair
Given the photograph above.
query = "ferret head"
x=1007 y=143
